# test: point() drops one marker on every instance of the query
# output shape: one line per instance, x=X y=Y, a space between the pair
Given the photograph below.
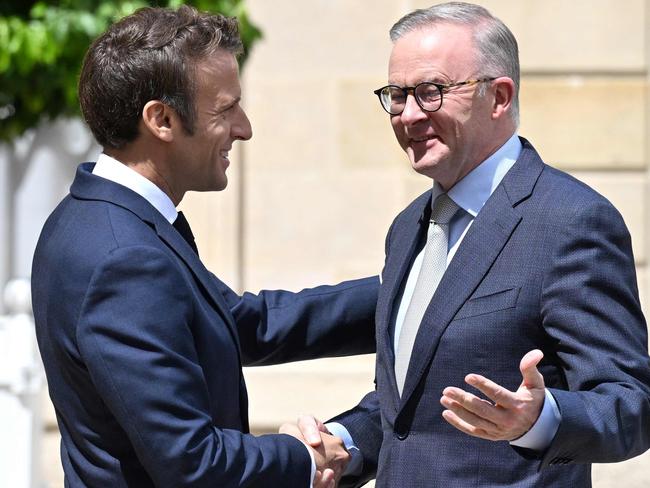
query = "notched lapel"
x=174 y=240
x=481 y=246
x=87 y=186
x=484 y=241
x=404 y=240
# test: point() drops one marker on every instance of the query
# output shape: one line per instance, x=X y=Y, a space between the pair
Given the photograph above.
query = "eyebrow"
x=432 y=79
x=234 y=102
x=221 y=110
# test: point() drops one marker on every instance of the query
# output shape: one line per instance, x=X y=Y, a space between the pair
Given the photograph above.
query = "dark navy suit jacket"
x=546 y=264
x=143 y=348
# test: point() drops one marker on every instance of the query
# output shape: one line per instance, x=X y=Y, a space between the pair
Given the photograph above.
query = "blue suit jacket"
x=546 y=264
x=143 y=348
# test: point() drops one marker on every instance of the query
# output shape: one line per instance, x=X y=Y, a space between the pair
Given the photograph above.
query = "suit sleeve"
x=363 y=423
x=134 y=335
x=327 y=321
x=590 y=308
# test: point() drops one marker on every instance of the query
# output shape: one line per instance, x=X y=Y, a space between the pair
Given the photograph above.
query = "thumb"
x=532 y=378
x=311 y=429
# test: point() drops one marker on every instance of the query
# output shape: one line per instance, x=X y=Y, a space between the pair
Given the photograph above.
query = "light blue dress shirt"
x=470 y=194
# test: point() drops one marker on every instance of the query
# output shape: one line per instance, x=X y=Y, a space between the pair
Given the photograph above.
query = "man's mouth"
x=424 y=138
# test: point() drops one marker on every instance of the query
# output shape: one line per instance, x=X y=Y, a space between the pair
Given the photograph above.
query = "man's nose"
x=412 y=113
x=242 y=130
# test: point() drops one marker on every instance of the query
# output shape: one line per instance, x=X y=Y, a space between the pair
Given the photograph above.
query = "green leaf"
x=42 y=48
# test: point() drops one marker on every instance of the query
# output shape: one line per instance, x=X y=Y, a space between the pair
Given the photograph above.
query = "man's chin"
x=217 y=185
x=425 y=167
x=220 y=181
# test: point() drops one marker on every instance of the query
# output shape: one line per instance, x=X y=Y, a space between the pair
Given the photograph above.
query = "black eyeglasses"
x=427 y=95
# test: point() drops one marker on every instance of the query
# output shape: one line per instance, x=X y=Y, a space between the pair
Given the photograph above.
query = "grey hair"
x=498 y=53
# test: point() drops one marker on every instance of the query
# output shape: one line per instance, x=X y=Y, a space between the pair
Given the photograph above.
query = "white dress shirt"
x=470 y=194
x=111 y=169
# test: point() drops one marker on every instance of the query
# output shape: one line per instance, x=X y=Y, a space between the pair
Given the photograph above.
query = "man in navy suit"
x=143 y=347
x=505 y=258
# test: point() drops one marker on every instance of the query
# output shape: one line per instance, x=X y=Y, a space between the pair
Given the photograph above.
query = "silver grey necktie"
x=433 y=267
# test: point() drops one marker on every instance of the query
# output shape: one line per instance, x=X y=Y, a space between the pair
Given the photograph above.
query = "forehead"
x=218 y=75
x=444 y=52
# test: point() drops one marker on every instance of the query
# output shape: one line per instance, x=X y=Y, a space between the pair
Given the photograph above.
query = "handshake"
x=329 y=451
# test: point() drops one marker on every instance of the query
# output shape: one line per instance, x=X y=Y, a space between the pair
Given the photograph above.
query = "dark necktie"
x=183 y=228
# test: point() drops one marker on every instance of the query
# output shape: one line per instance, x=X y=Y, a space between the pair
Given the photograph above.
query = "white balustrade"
x=21 y=381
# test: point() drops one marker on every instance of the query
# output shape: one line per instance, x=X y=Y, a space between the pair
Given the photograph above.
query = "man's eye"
x=397 y=96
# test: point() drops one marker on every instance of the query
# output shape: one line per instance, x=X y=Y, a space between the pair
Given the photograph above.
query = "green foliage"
x=42 y=44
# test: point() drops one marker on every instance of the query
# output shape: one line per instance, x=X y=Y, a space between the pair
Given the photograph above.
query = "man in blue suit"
x=143 y=347
x=505 y=258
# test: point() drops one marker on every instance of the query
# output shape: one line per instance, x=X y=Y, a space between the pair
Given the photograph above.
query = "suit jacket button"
x=402 y=435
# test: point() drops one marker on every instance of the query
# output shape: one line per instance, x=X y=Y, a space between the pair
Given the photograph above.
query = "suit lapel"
x=480 y=247
x=482 y=244
x=404 y=243
x=174 y=240
x=89 y=187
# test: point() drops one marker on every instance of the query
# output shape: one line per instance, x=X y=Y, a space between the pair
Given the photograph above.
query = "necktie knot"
x=183 y=227
x=444 y=209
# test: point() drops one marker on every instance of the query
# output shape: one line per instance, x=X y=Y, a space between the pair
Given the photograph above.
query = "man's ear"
x=160 y=120
x=504 y=93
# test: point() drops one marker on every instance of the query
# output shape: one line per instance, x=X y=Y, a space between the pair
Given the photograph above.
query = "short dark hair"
x=149 y=55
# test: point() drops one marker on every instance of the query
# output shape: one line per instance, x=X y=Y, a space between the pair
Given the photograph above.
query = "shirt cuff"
x=540 y=435
x=313 y=464
x=355 y=465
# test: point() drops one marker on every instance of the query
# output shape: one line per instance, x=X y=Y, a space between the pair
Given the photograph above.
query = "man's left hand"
x=510 y=414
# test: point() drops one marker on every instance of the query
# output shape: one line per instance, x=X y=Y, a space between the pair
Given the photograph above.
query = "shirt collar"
x=473 y=190
x=111 y=169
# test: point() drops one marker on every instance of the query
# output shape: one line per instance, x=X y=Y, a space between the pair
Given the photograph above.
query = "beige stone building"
x=311 y=196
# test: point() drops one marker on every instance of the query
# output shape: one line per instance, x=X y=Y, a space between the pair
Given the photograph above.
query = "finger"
x=463 y=426
x=311 y=429
x=328 y=478
x=478 y=406
x=474 y=404
x=469 y=417
x=324 y=479
x=532 y=378
x=495 y=392
x=311 y=420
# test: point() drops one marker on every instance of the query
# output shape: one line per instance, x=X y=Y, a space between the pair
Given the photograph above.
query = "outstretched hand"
x=329 y=451
x=509 y=415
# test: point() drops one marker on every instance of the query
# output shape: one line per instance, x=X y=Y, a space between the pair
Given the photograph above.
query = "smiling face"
x=201 y=159
x=444 y=145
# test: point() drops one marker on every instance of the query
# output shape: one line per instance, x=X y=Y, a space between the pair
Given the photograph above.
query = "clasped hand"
x=329 y=451
x=509 y=415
